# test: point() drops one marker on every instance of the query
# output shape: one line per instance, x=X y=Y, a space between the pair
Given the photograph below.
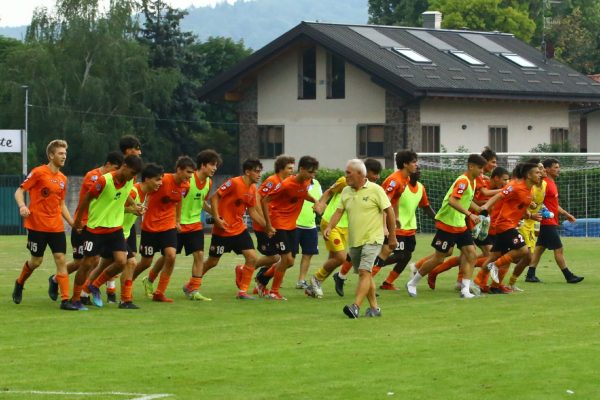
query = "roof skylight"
x=412 y=55
x=469 y=59
x=517 y=59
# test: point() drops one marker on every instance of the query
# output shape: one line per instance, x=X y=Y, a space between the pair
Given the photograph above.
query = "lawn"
x=540 y=344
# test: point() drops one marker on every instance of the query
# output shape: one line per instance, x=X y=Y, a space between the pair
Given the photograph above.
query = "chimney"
x=432 y=19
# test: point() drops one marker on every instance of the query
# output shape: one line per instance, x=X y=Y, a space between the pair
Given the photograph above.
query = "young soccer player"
x=337 y=242
x=549 y=238
x=451 y=227
x=366 y=205
x=307 y=234
x=284 y=167
x=47 y=187
x=229 y=204
x=114 y=160
x=281 y=215
x=105 y=204
x=160 y=225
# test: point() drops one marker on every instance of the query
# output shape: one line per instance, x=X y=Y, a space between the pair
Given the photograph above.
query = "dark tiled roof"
x=446 y=75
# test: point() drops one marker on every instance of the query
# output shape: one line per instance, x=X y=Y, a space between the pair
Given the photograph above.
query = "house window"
x=430 y=138
x=270 y=138
x=307 y=74
x=370 y=141
x=499 y=138
x=559 y=137
x=336 y=77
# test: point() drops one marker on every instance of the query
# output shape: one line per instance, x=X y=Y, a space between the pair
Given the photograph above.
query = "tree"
x=485 y=15
x=397 y=12
x=573 y=43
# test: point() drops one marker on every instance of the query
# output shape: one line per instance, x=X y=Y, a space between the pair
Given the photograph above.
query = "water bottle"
x=546 y=214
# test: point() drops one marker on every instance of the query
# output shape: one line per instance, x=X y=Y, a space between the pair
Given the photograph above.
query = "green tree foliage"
x=397 y=12
x=485 y=15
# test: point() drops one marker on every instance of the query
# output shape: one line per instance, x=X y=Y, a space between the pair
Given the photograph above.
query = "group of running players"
x=496 y=213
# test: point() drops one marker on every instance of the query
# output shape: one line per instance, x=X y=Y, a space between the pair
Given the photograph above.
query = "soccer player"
x=191 y=235
x=509 y=245
x=229 y=204
x=406 y=198
x=338 y=238
x=284 y=167
x=47 y=187
x=549 y=238
x=105 y=203
x=160 y=225
x=451 y=227
x=281 y=215
x=114 y=160
x=307 y=234
x=366 y=204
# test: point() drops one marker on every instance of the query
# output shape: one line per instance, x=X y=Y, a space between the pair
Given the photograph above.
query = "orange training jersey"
x=394 y=186
x=234 y=198
x=266 y=187
x=286 y=202
x=47 y=191
x=162 y=205
x=88 y=181
x=482 y=182
x=517 y=198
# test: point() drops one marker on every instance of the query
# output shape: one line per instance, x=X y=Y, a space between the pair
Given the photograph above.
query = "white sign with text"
x=10 y=141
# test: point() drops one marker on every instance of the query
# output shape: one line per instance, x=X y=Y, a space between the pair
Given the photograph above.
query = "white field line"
x=137 y=396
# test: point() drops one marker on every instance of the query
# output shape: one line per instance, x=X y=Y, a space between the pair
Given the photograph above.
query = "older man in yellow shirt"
x=365 y=204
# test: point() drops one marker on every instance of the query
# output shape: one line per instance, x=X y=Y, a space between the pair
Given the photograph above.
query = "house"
x=339 y=91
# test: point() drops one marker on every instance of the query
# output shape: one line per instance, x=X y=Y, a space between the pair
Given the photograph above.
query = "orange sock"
x=480 y=261
x=63 y=285
x=270 y=272
x=482 y=277
x=505 y=260
x=446 y=265
x=152 y=275
x=247 y=272
x=346 y=267
x=392 y=276
x=163 y=282
x=76 y=292
x=375 y=270
x=277 y=280
x=126 y=291
x=101 y=279
x=25 y=273
x=194 y=284
x=420 y=263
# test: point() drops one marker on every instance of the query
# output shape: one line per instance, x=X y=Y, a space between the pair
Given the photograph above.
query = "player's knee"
x=35 y=262
x=339 y=257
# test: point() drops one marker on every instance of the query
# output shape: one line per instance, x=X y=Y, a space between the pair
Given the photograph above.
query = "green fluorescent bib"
x=451 y=216
x=192 y=203
x=108 y=210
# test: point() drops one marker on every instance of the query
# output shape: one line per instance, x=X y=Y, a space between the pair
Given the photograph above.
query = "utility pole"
x=24 y=136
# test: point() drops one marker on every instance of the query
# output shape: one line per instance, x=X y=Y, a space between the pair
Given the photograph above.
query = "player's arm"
x=391 y=227
x=214 y=204
x=487 y=193
x=256 y=214
x=264 y=203
x=325 y=197
x=566 y=214
x=335 y=218
x=493 y=200
x=85 y=203
x=20 y=199
x=178 y=216
x=454 y=202
x=65 y=213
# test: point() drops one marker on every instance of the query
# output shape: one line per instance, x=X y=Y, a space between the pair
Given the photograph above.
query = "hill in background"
x=257 y=22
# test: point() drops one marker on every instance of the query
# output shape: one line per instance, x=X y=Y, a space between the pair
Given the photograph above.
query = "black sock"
x=531 y=272
x=567 y=273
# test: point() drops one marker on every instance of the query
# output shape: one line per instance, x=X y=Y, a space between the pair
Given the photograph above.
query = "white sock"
x=466 y=285
x=341 y=275
x=415 y=279
x=111 y=284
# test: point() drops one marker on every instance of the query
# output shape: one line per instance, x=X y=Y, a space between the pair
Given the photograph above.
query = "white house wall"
x=324 y=128
x=593 y=132
x=451 y=115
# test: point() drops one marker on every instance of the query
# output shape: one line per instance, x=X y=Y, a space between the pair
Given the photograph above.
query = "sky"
x=19 y=12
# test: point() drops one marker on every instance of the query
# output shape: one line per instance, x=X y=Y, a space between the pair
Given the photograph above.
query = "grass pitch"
x=539 y=344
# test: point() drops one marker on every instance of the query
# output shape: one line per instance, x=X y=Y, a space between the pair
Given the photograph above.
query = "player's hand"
x=533 y=205
x=24 y=212
x=392 y=242
x=536 y=217
x=140 y=209
x=318 y=208
x=474 y=218
x=326 y=233
x=220 y=223
x=270 y=231
x=178 y=227
x=77 y=226
x=571 y=218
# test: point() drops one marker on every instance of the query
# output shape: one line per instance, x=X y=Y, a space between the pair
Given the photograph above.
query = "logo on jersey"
x=62 y=185
x=98 y=187
x=278 y=186
x=117 y=196
x=393 y=183
x=269 y=184
x=94 y=178
x=366 y=198
x=228 y=183
x=45 y=192
x=461 y=188
x=507 y=190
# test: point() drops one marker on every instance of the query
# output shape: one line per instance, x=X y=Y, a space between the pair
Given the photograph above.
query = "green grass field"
x=540 y=344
